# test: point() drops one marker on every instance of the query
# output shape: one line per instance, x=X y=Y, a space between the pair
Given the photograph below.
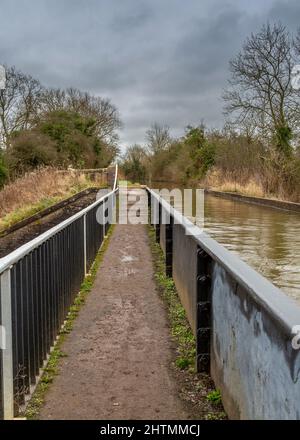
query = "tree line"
x=42 y=126
x=259 y=142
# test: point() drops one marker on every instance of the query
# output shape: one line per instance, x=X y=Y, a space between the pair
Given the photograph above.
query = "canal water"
x=266 y=238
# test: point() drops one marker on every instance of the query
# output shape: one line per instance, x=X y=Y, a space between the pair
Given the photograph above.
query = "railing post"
x=169 y=246
x=203 y=318
x=7 y=350
x=153 y=210
x=158 y=223
x=149 y=206
x=105 y=216
x=109 y=211
x=84 y=245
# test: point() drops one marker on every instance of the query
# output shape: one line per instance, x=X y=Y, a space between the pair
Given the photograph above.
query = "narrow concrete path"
x=120 y=350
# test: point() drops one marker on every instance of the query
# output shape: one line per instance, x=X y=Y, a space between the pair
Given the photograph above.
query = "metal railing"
x=38 y=284
x=242 y=322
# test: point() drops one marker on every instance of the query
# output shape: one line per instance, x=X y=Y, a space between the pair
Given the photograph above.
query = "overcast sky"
x=157 y=60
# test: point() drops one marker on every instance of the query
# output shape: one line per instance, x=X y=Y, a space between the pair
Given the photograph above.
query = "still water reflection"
x=268 y=239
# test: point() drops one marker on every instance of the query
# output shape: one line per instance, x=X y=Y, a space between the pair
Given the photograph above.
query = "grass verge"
x=197 y=389
x=27 y=211
x=51 y=370
x=40 y=189
x=24 y=212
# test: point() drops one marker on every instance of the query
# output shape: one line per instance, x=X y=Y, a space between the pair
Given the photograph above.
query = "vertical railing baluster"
x=31 y=322
x=169 y=246
x=15 y=339
x=149 y=206
x=25 y=326
x=7 y=350
x=154 y=212
x=84 y=246
x=36 y=311
x=158 y=224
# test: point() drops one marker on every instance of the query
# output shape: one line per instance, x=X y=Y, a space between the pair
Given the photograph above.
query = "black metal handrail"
x=38 y=284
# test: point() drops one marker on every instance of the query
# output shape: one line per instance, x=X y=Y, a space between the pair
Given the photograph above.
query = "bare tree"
x=158 y=138
x=106 y=116
x=297 y=44
x=260 y=92
x=52 y=100
x=18 y=103
x=135 y=153
x=29 y=106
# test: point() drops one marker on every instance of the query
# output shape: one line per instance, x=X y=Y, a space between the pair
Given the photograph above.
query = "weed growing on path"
x=214 y=397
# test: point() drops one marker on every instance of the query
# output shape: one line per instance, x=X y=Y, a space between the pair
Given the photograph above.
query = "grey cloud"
x=163 y=61
x=287 y=12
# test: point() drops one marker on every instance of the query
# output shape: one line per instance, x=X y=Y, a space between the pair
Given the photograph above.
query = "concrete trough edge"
x=261 y=201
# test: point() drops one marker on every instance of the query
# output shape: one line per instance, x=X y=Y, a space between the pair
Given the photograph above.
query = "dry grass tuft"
x=267 y=184
x=249 y=187
x=38 y=190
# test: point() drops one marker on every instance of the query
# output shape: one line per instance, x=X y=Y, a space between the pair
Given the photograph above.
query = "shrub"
x=134 y=164
x=29 y=150
x=3 y=172
x=201 y=149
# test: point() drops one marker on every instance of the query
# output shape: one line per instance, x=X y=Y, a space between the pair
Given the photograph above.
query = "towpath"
x=120 y=350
